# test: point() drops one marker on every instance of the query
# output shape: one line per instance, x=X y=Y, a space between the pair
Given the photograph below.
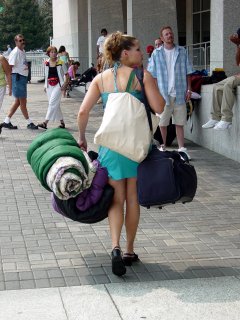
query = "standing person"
x=100 y=45
x=158 y=42
x=55 y=73
x=64 y=57
x=149 y=51
x=122 y=51
x=169 y=65
x=8 y=51
x=5 y=79
x=19 y=68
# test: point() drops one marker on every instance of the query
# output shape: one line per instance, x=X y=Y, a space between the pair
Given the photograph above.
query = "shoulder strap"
x=102 y=81
x=139 y=74
x=115 y=77
x=130 y=81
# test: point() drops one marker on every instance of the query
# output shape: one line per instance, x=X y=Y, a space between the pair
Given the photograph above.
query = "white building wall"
x=65 y=25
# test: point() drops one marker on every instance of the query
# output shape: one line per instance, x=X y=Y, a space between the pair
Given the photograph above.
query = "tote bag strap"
x=139 y=74
x=130 y=81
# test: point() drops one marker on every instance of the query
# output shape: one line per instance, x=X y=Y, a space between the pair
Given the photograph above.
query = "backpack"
x=164 y=177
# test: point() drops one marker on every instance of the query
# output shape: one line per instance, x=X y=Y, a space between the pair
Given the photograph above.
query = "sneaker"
x=210 y=124
x=162 y=147
x=8 y=125
x=184 y=151
x=32 y=126
x=222 y=125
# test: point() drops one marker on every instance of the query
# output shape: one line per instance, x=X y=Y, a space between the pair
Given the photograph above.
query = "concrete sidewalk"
x=181 y=243
x=198 y=299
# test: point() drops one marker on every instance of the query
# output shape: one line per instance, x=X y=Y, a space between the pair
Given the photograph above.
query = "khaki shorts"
x=176 y=111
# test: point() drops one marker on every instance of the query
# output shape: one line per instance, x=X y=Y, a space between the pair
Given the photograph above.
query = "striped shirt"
x=182 y=67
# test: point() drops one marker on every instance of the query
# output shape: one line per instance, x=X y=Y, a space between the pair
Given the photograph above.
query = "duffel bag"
x=165 y=178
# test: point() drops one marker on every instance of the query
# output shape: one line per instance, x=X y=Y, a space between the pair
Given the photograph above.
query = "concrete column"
x=65 y=25
x=189 y=21
x=129 y=17
x=224 y=21
x=216 y=34
x=90 y=55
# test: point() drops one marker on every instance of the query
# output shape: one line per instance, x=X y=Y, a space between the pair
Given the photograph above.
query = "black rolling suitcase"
x=164 y=177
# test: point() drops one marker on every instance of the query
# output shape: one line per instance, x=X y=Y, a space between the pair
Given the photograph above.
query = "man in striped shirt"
x=170 y=66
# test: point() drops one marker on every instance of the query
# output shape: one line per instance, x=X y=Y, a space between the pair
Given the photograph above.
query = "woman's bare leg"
x=116 y=211
x=132 y=213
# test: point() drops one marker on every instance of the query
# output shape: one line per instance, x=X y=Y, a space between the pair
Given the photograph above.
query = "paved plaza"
x=41 y=249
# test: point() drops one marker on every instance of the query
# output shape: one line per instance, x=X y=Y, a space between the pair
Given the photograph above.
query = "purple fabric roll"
x=91 y=196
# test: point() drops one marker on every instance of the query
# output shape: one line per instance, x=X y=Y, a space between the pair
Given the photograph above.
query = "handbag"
x=53 y=81
x=128 y=125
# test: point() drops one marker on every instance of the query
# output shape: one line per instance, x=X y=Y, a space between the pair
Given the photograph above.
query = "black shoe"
x=129 y=258
x=118 y=267
x=8 y=125
x=32 y=126
x=0 y=128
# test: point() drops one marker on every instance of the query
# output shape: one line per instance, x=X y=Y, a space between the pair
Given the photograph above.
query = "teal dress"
x=118 y=166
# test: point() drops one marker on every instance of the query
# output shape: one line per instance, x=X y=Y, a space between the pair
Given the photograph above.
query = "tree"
x=21 y=17
x=46 y=13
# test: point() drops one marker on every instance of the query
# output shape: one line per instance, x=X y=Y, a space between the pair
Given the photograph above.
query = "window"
x=201 y=21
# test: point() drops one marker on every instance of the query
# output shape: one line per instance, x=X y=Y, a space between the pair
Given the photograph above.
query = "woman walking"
x=55 y=73
x=123 y=53
x=5 y=79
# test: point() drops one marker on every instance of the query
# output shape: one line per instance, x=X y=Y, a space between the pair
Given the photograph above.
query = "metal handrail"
x=202 y=53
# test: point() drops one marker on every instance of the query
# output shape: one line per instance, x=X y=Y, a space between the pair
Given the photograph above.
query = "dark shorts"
x=19 y=86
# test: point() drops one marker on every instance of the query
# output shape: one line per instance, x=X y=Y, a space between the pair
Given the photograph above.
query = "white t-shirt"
x=100 y=43
x=170 y=68
x=18 y=60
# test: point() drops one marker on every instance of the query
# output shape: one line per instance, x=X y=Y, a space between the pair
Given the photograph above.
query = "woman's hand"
x=82 y=143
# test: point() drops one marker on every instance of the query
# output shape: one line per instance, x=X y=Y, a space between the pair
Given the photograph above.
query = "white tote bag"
x=125 y=128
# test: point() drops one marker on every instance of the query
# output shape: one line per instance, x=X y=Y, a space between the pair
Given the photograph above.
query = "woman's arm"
x=7 y=70
x=88 y=103
x=154 y=97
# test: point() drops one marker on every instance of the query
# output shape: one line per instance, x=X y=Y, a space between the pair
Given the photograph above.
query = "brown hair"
x=50 y=49
x=115 y=44
x=164 y=28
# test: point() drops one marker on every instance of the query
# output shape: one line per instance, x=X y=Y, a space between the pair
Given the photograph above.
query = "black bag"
x=94 y=214
x=165 y=178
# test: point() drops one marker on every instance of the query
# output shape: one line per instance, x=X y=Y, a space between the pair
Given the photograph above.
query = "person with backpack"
x=123 y=52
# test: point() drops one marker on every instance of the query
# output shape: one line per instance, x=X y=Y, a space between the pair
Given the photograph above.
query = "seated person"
x=224 y=97
x=72 y=70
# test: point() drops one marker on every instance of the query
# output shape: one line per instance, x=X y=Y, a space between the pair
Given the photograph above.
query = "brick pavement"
x=40 y=248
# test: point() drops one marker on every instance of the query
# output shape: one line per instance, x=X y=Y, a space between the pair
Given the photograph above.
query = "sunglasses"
x=21 y=40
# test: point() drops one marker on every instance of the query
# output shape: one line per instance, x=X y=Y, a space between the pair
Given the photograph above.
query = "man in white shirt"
x=18 y=63
x=100 y=48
